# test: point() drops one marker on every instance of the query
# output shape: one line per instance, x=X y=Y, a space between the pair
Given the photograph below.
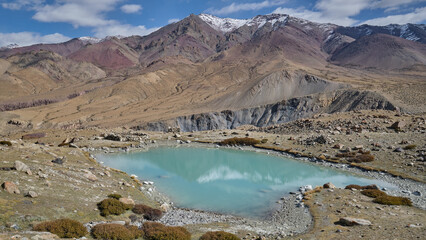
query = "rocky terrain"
x=348 y=98
x=43 y=181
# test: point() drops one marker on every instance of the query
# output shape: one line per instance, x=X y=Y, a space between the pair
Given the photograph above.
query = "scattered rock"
x=398 y=149
x=414 y=226
x=44 y=236
x=10 y=187
x=329 y=185
x=348 y=221
x=165 y=207
x=21 y=167
x=417 y=193
x=127 y=201
x=339 y=146
x=31 y=194
x=398 y=125
x=90 y=176
x=358 y=147
x=59 y=160
x=113 y=137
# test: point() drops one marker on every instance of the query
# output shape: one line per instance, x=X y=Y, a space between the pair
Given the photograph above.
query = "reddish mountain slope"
x=111 y=54
x=381 y=51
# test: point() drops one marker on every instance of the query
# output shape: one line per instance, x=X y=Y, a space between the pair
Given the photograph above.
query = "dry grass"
x=391 y=200
x=116 y=232
x=158 y=231
x=373 y=193
x=218 y=235
x=239 y=142
x=64 y=228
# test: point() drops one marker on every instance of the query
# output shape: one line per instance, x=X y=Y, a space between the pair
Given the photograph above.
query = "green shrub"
x=116 y=232
x=410 y=147
x=112 y=206
x=115 y=196
x=373 y=193
x=351 y=186
x=158 y=231
x=148 y=213
x=218 y=235
x=239 y=141
x=8 y=143
x=265 y=140
x=391 y=200
x=64 y=228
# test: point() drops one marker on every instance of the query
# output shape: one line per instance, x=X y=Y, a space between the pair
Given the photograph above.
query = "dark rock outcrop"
x=281 y=112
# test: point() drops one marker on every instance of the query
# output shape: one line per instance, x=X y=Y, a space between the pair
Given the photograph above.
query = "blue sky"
x=27 y=22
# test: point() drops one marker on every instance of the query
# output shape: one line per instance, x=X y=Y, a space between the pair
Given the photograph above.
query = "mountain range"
x=205 y=64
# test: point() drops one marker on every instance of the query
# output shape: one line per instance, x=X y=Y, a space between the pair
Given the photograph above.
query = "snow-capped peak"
x=223 y=24
x=230 y=24
x=90 y=40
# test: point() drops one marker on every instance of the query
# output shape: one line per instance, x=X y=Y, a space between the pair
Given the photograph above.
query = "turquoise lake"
x=243 y=183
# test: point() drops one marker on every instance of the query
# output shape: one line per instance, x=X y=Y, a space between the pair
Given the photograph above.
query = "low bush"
x=346 y=154
x=239 y=141
x=158 y=231
x=7 y=143
x=391 y=200
x=218 y=235
x=148 y=213
x=362 y=158
x=354 y=186
x=373 y=193
x=33 y=136
x=265 y=140
x=116 y=232
x=115 y=196
x=410 y=147
x=64 y=228
x=112 y=206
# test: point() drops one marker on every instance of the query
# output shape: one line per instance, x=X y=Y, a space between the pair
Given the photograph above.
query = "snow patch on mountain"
x=229 y=24
x=90 y=40
x=223 y=24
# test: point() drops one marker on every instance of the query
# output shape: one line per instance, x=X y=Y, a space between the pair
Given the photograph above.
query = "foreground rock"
x=10 y=187
x=349 y=221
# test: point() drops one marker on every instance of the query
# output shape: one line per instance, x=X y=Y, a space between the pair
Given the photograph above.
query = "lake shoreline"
x=289 y=215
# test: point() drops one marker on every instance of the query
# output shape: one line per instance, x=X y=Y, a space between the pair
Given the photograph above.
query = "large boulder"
x=10 y=187
x=21 y=167
x=127 y=201
x=349 y=221
x=398 y=125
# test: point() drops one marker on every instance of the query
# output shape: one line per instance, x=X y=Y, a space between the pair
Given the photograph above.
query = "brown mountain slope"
x=381 y=51
x=63 y=49
x=109 y=54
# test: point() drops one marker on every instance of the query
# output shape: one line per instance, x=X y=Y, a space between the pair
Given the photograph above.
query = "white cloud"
x=131 y=8
x=124 y=30
x=418 y=16
x=30 y=38
x=393 y=3
x=173 y=20
x=77 y=12
x=237 y=7
x=341 y=13
x=340 y=9
x=19 y=4
x=315 y=16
